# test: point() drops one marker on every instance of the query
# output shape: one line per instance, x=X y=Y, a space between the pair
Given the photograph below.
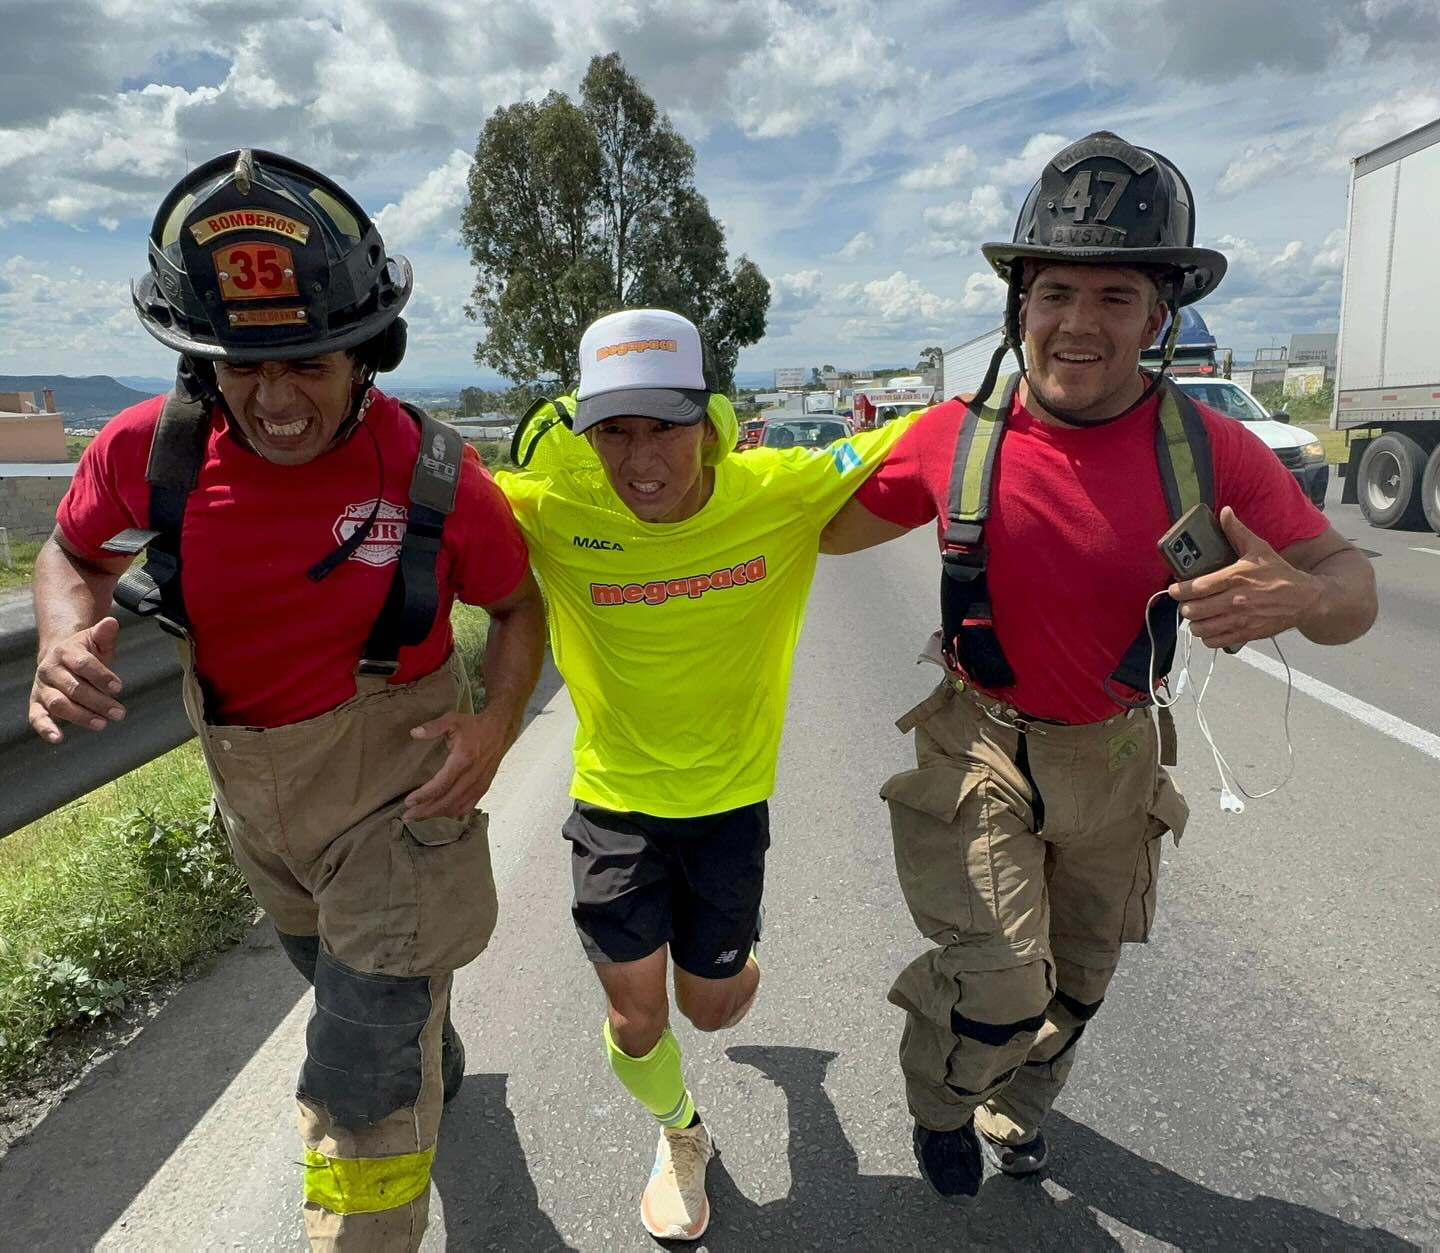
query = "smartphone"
x=1196 y=545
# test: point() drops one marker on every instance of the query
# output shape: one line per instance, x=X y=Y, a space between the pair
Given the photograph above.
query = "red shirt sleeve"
x=903 y=489
x=489 y=551
x=1262 y=492
x=108 y=493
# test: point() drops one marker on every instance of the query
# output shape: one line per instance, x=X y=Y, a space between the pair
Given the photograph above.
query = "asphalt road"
x=1264 y=1073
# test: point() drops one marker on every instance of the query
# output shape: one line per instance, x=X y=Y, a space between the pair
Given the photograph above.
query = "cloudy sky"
x=858 y=150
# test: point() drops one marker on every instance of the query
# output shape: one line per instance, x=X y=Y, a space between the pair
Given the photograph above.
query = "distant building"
x=29 y=493
x=1314 y=349
x=29 y=433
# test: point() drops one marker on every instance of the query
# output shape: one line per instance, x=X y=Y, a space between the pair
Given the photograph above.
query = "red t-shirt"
x=1074 y=519
x=273 y=647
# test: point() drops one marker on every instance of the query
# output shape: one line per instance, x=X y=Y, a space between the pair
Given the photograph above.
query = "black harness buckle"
x=369 y=665
x=963 y=562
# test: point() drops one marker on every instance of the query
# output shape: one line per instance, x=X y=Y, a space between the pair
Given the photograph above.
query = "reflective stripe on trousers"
x=313 y=812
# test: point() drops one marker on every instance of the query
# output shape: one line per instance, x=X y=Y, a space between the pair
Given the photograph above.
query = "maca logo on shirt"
x=692 y=586
x=382 y=545
x=587 y=541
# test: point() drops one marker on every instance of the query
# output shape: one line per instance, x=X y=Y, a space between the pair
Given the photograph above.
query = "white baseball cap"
x=642 y=363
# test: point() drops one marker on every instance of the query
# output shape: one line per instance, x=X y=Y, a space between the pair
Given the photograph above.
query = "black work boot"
x=452 y=1059
x=1016 y=1159
x=949 y=1160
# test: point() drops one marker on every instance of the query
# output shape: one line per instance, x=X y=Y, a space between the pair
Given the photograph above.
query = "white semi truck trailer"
x=1388 y=374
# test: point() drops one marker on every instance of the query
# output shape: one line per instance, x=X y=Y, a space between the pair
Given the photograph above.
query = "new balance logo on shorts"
x=728 y=956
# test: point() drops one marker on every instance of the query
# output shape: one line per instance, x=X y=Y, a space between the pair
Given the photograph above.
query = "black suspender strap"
x=414 y=596
x=177 y=451
x=967 y=623
x=1187 y=478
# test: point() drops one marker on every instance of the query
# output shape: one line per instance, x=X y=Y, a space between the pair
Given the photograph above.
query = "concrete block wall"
x=27 y=505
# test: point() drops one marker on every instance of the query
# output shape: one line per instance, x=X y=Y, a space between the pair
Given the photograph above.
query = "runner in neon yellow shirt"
x=676 y=576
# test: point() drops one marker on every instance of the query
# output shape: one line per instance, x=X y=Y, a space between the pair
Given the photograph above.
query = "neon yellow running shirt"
x=675 y=639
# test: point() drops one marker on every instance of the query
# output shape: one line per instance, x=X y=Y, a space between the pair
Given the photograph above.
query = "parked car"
x=814 y=432
x=1299 y=451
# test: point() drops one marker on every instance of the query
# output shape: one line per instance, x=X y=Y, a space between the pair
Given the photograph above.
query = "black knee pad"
x=302 y=950
x=363 y=1042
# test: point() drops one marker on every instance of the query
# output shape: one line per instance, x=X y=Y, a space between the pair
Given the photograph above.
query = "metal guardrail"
x=36 y=777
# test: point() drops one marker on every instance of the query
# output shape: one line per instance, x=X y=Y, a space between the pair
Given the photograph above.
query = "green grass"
x=20 y=574
x=109 y=894
x=122 y=888
x=493 y=452
x=1337 y=447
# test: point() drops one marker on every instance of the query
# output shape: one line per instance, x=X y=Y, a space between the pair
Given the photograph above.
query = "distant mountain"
x=83 y=401
x=152 y=387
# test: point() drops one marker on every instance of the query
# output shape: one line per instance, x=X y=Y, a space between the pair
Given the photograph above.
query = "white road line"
x=1397 y=728
x=1434 y=552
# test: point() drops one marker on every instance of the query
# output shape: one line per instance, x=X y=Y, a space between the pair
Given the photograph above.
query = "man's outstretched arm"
x=855 y=527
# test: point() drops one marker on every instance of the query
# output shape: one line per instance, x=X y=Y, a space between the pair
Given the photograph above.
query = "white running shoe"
x=674 y=1205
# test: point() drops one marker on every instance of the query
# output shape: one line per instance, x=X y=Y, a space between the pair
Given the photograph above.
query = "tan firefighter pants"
x=1027 y=859
x=313 y=814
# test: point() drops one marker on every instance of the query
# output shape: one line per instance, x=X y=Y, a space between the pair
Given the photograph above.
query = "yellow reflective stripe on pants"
x=365 y=1185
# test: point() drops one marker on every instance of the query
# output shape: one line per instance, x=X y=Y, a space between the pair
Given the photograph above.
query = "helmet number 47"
x=1078 y=199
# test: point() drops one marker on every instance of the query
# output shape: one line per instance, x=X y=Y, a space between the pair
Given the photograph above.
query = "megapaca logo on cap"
x=636 y=345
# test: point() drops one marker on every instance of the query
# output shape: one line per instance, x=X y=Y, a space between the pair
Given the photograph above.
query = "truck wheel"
x=1389 y=487
x=1430 y=490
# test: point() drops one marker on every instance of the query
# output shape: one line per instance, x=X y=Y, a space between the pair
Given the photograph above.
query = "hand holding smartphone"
x=1196 y=546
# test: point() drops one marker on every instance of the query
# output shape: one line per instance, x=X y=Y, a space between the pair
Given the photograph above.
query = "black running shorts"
x=692 y=883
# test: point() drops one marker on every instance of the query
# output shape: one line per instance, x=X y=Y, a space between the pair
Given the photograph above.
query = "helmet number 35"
x=255 y=271
x=1078 y=199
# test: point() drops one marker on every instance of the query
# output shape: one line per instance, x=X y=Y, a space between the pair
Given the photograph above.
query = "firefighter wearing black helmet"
x=1027 y=838
x=304 y=536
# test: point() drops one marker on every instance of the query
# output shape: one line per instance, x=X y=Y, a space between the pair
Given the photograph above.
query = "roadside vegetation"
x=1313 y=413
x=493 y=452
x=122 y=889
x=21 y=569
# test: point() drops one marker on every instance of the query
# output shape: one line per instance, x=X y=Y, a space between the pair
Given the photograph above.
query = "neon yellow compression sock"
x=655 y=1079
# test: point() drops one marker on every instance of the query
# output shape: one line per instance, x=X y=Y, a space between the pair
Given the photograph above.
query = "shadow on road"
x=483 y=1178
x=65 y=1184
x=832 y=1205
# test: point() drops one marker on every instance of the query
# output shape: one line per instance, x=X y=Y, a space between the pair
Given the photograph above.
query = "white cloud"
x=1253 y=167
x=1330 y=258
x=1024 y=169
x=432 y=209
x=983 y=211
x=792 y=296
x=984 y=293
x=80 y=308
x=812 y=119
x=1331 y=146
x=948 y=170
x=1229 y=39
x=956 y=229
x=899 y=301
x=800 y=290
x=858 y=244
x=1385 y=120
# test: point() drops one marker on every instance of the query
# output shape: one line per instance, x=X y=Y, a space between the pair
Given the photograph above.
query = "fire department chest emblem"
x=382 y=545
